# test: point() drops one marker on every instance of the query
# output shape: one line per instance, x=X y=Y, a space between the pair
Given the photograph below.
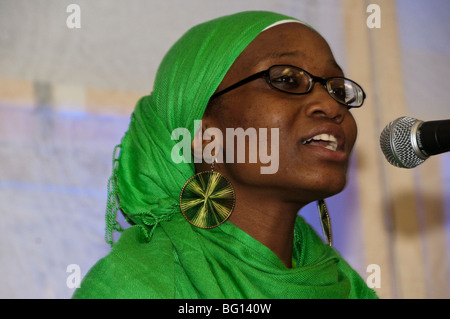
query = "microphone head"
x=397 y=143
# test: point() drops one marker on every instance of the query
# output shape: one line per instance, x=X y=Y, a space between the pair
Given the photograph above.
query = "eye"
x=289 y=79
x=341 y=89
x=285 y=80
x=340 y=93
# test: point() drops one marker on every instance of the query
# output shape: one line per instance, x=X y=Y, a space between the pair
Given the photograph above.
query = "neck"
x=268 y=221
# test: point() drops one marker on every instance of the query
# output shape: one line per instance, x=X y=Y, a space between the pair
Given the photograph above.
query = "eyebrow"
x=278 y=55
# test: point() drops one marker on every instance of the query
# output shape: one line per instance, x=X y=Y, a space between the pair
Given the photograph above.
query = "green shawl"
x=161 y=255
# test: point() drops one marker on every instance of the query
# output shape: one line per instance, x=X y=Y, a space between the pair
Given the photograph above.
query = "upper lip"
x=332 y=130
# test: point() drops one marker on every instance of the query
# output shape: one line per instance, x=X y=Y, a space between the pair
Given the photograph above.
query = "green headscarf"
x=147 y=181
x=162 y=255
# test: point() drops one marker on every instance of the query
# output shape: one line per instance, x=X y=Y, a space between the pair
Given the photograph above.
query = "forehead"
x=289 y=43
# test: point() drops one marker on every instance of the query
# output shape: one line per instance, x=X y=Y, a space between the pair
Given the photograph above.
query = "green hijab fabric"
x=147 y=180
x=161 y=255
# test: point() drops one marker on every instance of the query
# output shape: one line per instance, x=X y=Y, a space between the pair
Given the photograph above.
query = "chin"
x=334 y=186
x=323 y=187
x=333 y=191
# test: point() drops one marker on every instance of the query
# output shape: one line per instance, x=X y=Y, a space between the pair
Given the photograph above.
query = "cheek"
x=351 y=130
x=253 y=116
x=252 y=142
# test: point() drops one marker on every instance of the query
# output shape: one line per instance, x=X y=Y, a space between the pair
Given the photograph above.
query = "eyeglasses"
x=293 y=80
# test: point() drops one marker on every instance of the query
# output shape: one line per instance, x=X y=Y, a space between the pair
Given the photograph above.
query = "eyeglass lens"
x=298 y=81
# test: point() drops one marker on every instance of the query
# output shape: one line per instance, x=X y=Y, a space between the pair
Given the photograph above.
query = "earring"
x=207 y=199
x=325 y=220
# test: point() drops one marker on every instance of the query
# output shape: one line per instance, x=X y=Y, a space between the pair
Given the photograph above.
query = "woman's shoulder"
x=135 y=268
x=313 y=248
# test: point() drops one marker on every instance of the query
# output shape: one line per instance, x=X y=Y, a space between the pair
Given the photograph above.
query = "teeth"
x=332 y=147
x=325 y=138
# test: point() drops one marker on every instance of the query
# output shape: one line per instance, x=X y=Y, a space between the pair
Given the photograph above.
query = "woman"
x=249 y=70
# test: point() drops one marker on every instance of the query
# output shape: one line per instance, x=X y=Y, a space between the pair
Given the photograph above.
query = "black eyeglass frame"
x=313 y=80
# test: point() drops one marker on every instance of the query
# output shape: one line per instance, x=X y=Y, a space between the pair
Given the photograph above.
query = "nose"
x=323 y=105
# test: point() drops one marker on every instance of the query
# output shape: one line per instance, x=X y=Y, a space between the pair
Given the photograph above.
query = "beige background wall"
x=66 y=96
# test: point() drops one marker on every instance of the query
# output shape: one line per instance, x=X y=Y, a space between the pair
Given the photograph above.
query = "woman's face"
x=307 y=171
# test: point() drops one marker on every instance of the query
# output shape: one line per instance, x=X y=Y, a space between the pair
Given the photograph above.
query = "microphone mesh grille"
x=395 y=142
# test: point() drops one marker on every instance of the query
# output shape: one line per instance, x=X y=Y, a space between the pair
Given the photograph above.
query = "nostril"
x=338 y=118
x=319 y=112
x=328 y=112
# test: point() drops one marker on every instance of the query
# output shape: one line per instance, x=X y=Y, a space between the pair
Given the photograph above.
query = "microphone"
x=407 y=142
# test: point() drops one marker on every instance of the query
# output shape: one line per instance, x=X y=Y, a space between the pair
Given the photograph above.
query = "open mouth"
x=324 y=140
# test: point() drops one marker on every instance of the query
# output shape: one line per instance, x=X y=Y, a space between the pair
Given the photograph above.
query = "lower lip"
x=336 y=156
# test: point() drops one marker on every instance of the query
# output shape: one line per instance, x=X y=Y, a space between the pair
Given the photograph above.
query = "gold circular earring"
x=207 y=199
x=325 y=220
